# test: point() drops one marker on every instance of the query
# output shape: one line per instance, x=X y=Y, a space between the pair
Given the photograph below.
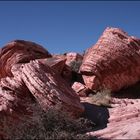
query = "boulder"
x=80 y=89
x=70 y=70
x=33 y=87
x=50 y=89
x=113 y=62
x=19 y=51
x=27 y=86
x=60 y=66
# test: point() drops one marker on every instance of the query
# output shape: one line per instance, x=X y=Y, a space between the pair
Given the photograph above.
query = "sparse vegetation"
x=75 y=65
x=102 y=98
x=53 y=124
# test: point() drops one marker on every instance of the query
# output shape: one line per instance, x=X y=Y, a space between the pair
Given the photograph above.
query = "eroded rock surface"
x=30 y=75
x=19 y=51
x=113 y=62
x=123 y=122
x=26 y=85
x=49 y=88
x=15 y=103
x=80 y=89
x=56 y=63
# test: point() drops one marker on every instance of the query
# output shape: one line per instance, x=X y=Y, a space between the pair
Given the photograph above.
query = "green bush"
x=75 y=65
x=53 y=124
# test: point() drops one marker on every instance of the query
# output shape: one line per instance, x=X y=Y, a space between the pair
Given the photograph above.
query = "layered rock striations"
x=113 y=62
x=123 y=121
x=19 y=51
x=30 y=79
x=49 y=88
x=40 y=79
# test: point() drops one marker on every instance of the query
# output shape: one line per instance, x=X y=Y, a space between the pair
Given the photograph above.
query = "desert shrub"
x=52 y=124
x=75 y=65
x=102 y=98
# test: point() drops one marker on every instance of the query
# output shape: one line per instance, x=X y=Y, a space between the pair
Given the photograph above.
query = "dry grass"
x=101 y=98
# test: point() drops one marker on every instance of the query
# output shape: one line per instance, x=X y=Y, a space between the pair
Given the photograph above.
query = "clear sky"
x=66 y=26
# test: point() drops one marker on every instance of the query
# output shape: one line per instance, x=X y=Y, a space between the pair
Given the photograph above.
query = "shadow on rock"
x=97 y=114
x=131 y=92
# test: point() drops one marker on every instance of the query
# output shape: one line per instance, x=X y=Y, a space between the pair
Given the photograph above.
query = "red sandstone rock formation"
x=71 y=67
x=39 y=79
x=56 y=63
x=19 y=51
x=80 y=89
x=24 y=83
x=113 y=62
x=49 y=88
x=123 y=122
x=15 y=103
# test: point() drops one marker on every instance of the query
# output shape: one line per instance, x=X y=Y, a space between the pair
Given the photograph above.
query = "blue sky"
x=66 y=26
